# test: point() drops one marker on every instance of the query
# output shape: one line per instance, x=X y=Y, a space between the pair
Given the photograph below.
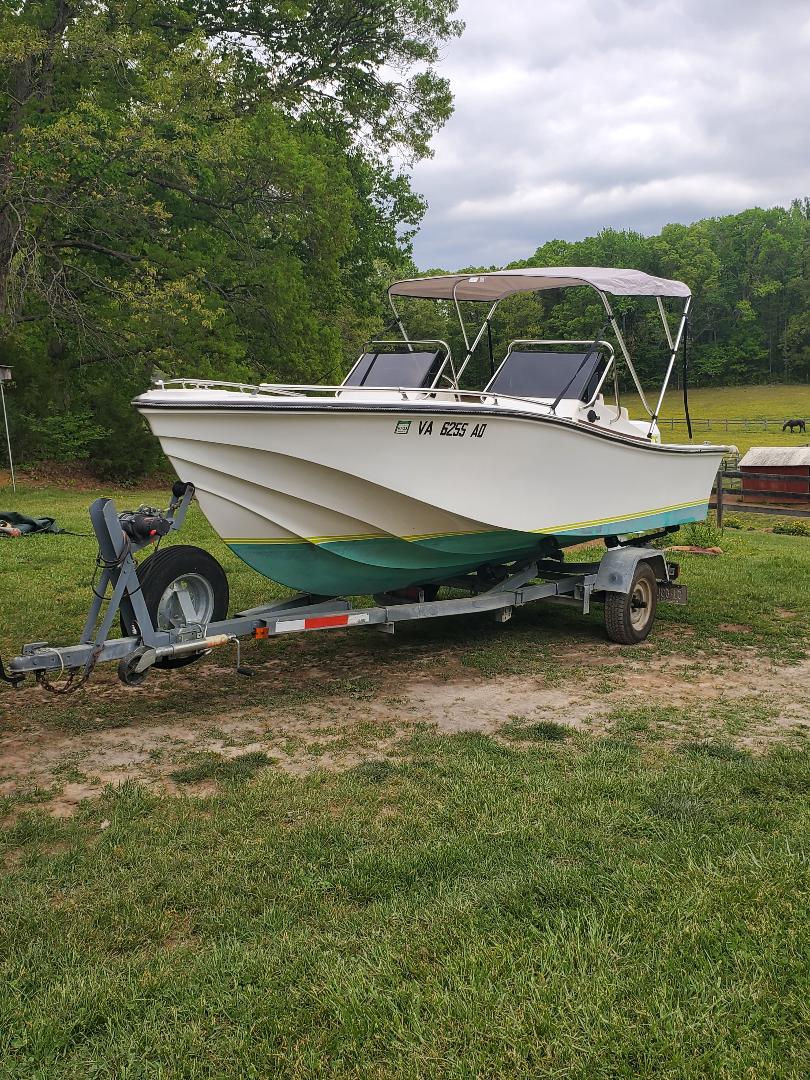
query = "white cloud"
x=575 y=115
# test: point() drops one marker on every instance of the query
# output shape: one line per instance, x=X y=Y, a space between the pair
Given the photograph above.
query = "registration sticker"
x=672 y=594
x=403 y=427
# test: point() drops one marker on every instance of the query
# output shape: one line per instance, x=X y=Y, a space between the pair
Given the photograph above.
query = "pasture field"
x=717 y=404
x=470 y=850
x=736 y=402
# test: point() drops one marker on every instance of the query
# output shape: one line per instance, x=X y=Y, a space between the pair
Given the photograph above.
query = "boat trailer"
x=167 y=620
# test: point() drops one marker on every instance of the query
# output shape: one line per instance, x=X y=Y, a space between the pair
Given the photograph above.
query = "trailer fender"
x=618 y=567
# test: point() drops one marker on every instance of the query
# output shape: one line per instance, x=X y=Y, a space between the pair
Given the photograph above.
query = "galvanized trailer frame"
x=498 y=590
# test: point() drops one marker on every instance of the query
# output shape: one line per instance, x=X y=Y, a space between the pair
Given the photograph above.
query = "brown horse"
x=793 y=424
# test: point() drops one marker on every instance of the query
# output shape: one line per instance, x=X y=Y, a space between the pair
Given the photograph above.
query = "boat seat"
x=546 y=374
x=409 y=369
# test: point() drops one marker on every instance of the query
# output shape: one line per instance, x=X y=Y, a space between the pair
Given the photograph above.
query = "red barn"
x=771 y=471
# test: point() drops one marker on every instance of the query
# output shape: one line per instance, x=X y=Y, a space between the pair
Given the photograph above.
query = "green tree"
x=205 y=188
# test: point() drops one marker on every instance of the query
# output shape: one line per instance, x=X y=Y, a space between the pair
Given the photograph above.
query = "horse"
x=800 y=424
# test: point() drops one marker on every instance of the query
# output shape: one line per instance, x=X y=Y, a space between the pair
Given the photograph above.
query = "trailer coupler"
x=10 y=677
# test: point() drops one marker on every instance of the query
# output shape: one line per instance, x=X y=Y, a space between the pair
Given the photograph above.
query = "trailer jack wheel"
x=134 y=669
x=181 y=586
x=629 y=617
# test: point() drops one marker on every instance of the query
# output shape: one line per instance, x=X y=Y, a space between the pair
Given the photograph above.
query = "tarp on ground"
x=28 y=525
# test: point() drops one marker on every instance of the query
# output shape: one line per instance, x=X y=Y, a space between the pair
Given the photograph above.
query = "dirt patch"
x=75 y=476
x=734 y=628
x=485 y=705
x=304 y=718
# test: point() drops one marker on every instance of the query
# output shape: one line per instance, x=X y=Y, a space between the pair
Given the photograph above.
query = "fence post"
x=719 y=499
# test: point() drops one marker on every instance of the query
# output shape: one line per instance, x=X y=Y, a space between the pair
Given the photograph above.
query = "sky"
x=576 y=115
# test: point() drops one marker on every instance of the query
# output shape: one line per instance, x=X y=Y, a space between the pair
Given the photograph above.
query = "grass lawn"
x=469 y=911
x=743 y=402
x=752 y=403
x=598 y=869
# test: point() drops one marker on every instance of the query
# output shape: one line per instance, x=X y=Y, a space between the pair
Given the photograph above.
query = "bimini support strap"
x=674 y=345
x=684 y=381
x=388 y=327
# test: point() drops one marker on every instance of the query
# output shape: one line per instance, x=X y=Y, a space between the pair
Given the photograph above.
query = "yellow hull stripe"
x=627 y=517
x=473 y=532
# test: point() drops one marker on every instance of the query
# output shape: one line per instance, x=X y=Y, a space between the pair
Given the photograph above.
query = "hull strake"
x=341 y=503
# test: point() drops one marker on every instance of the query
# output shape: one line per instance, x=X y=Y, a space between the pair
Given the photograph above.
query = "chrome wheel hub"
x=188 y=601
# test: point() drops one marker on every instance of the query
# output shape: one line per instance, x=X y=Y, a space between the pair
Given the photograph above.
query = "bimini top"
x=496 y=284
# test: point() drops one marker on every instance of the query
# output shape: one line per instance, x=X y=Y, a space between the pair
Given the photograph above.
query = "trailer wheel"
x=629 y=617
x=181 y=586
x=128 y=668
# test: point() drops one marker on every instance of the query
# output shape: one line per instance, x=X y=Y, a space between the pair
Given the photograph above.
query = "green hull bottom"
x=353 y=567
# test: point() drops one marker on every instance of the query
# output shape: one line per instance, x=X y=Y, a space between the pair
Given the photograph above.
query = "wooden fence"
x=722 y=424
x=725 y=496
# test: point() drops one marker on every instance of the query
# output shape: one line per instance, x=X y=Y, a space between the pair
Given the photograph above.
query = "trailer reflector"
x=322 y=622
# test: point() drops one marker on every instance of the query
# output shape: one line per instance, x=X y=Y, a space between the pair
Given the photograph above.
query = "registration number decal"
x=449 y=429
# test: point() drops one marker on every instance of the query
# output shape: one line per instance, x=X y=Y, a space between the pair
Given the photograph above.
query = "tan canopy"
x=496 y=284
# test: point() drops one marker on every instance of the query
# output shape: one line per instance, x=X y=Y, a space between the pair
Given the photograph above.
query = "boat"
x=402 y=477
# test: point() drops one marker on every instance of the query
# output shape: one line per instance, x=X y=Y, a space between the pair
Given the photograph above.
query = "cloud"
x=576 y=115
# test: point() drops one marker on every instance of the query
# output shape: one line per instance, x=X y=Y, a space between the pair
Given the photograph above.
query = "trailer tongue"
x=173 y=605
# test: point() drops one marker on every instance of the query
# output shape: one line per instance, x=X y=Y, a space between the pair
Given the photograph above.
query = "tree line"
x=749 y=274
x=202 y=187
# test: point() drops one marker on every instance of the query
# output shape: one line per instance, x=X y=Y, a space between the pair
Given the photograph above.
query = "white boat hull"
x=338 y=497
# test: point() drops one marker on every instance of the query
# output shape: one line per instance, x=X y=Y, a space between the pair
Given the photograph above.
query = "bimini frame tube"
x=405 y=337
x=623 y=347
x=460 y=319
x=471 y=348
x=674 y=346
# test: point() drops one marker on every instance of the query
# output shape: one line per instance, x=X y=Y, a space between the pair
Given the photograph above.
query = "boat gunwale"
x=310 y=405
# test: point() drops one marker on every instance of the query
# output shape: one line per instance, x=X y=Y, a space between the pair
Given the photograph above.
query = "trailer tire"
x=206 y=582
x=629 y=616
x=128 y=671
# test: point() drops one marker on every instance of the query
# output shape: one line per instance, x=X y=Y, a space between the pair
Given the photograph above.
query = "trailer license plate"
x=671 y=594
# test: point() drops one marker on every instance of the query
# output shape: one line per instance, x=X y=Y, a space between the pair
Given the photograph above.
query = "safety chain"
x=69 y=686
x=76 y=677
